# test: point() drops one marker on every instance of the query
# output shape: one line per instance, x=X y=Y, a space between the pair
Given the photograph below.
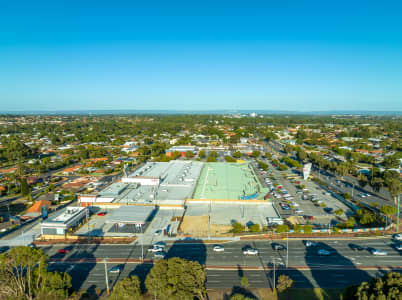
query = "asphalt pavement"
x=224 y=269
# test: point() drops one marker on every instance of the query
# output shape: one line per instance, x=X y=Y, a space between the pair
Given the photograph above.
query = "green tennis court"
x=228 y=181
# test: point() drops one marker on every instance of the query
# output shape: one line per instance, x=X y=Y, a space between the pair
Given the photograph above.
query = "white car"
x=378 y=252
x=310 y=244
x=158 y=232
x=250 y=251
x=160 y=254
x=298 y=211
x=218 y=248
x=323 y=252
x=397 y=236
x=398 y=247
x=155 y=249
x=116 y=269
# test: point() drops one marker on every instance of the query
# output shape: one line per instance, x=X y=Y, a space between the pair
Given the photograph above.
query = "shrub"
x=237 y=227
x=308 y=229
x=255 y=228
x=282 y=228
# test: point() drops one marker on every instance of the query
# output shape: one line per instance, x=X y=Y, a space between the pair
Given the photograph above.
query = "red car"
x=101 y=214
x=63 y=251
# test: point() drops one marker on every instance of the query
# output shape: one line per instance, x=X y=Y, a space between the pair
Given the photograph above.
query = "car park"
x=323 y=252
x=218 y=248
x=115 y=269
x=375 y=251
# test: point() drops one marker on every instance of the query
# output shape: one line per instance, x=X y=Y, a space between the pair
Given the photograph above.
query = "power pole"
x=287 y=250
x=106 y=277
x=397 y=212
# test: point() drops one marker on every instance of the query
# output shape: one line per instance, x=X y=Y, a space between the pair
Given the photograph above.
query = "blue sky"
x=281 y=55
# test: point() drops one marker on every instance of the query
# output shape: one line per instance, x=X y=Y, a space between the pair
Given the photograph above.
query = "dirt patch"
x=198 y=226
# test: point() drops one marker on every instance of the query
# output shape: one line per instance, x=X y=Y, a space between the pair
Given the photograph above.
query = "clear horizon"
x=289 y=56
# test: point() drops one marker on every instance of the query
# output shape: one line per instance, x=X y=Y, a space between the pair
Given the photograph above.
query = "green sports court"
x=234 y=181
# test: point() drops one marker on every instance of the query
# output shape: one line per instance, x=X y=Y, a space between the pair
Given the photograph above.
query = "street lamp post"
x=106 y=277
x=287 y=250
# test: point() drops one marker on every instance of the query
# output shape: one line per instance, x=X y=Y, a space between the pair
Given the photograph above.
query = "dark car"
x=328 y=210
x=4 y=249
x=355 y=247
x=277 y=246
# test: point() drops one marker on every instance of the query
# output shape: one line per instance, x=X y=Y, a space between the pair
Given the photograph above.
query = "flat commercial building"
x=156 y=183
x=61 y=222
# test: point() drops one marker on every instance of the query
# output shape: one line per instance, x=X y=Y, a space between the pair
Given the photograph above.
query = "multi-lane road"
x=224 y=269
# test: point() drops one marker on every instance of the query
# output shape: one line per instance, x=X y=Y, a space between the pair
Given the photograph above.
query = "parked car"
x=355 y=247
x=115 y=269
x=63 y=251
x=298 y=211
x=375 y=251
x=218 y=248
x=101 y=214
x=158 y=232
x=323 y=252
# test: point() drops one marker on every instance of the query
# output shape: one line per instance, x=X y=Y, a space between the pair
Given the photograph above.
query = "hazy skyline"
x=262 y=55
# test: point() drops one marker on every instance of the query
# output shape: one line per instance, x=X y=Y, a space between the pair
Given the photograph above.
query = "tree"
x=211 y=159
x=24 y=275
x=376 y=183
x=240 y=297
x=346 y=196
x=387 y=287
x=176 y=278
x=244 y=282
x=338 y=212
x=24 y=187
x=255 y=228
x=342 y=169
x=308 y=229
x=237 y=227
x=282 y=228
x=202 y=154
x=189 y=154
x=388 y=210
x=284 y=282
x=301 y=155
x=127 y=288
x=362 y=179
x=255 y=154
x=237 y=154
x=230 y=159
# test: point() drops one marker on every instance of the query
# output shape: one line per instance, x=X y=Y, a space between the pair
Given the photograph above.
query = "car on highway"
x=63 y=251
x=397 y=236
x=218 y=248
x=155 y=249
x=310 y=243
x=277 y=246
x=115 y=269
x=398 y=247
x=101 y=214
x=160 y=254
x=323 y=252
x=4 y=249
x=250 y=251
x=375 y=251
x=355 y=247
x=362 y=195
